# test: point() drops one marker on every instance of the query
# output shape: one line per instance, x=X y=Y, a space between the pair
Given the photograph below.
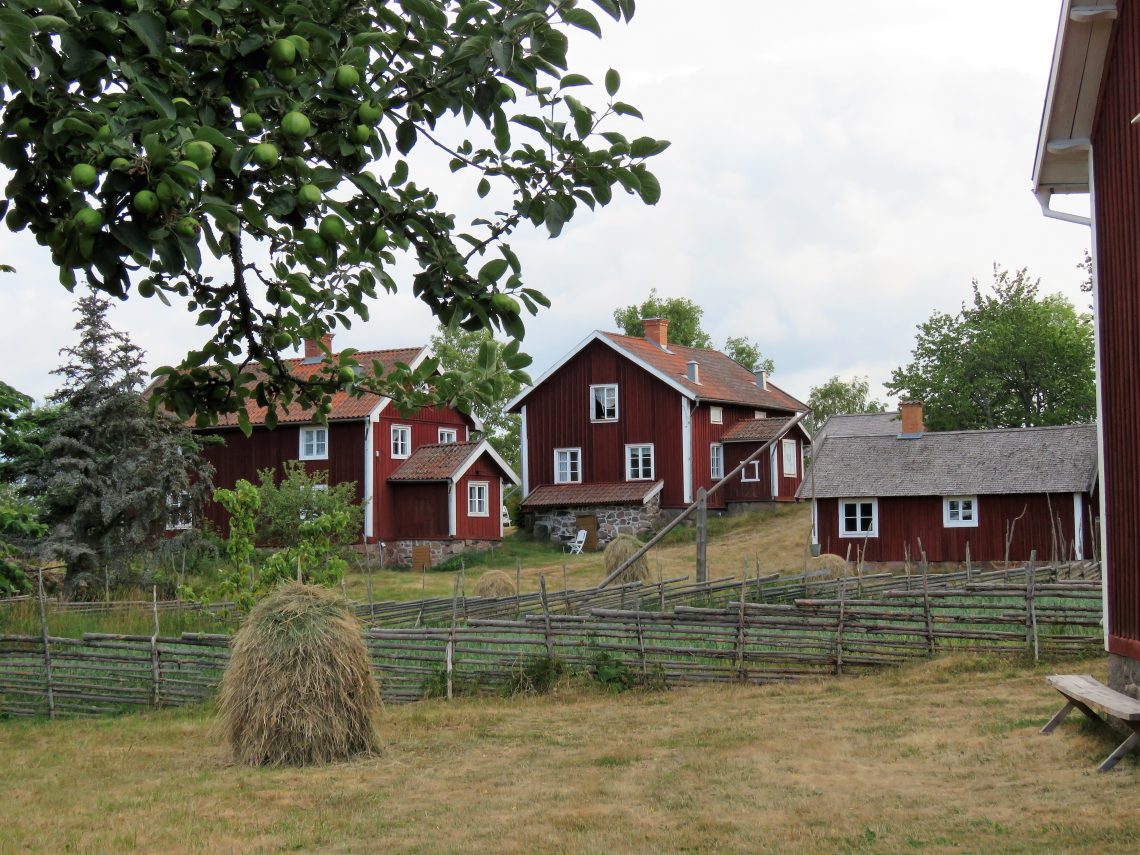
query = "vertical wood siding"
x=1116 y=147
x=907 y=520
x=419 y=511
x=479 y=528
x=558 y=416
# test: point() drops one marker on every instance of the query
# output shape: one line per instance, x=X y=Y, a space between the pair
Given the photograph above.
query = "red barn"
x=622 y=428
x=883 y=492
x=365 y=441
x=1089 y=143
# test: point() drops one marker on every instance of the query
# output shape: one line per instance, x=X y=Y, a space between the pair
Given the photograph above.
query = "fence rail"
x=752 y=630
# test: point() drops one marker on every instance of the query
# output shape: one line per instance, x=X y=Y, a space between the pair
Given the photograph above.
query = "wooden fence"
x=759 y=630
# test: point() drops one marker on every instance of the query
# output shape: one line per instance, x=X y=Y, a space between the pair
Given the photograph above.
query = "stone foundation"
x=612 y=520
x=398 y=553
x=1124 y=675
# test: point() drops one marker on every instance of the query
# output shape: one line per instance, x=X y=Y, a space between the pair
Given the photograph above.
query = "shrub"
x=536 y=675
x=302 y=496
x=299 y=688
x=609 y=671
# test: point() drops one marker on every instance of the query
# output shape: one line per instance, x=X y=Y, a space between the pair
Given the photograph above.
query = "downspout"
x=1045 y=197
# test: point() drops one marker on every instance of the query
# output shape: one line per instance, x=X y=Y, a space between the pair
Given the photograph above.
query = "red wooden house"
x=366 y=441
x=882 y=492
x=623 y=428
x=1089 y=143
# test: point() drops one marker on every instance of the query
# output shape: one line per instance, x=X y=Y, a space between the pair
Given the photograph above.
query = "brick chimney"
x=657 y=331
x=911 y=418
x=313 y=346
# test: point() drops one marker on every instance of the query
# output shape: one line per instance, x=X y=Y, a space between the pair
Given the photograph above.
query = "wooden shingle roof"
x=760 y=430
x=447 y=461
x=600 y=493
x=956 y=463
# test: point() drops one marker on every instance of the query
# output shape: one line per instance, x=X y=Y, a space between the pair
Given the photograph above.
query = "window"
x=567 y=465
x=314 y=443
x=788 y=446
x=751 y=472
x=639 y=463
x=448 y=435
x=716 y=415
x=759 y=414
x=960 y=512
x=401 y=441
x=858 y=518
x=716 y=461
x=477 y=499
x=179 y=512
x=603 y=403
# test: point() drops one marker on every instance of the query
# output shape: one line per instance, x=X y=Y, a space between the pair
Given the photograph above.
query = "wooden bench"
x=1085 y=693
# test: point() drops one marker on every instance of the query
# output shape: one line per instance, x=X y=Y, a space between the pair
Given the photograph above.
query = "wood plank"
x=1083 y=687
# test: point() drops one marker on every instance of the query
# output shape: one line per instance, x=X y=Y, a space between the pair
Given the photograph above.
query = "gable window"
x=858 y=518
x=788 y=447
x=716 y=415
x=448 y=435
x=639 y=463
x=960 y=512
x=567 y=465
x=604 y=403
x=314 y=443
x=401 y=441
x=716 y=461
x=477 y=499
x=751 y=472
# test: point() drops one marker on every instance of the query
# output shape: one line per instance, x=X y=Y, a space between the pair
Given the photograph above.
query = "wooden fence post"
x=839 y=624
x=1031 y=606
x=450 y=650
x=702 y=536
x=368 y=568
x=518 y=587
x=969 y=566
x=926 y=602
x=47 y=648
x=740 y=637
x=660 y=582
x=641 y=650
x=545 y=616
x=463 y=586
x=155 y=672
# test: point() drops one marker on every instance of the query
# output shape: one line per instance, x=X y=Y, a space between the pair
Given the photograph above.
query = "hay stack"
x=833 y=564
x=494 y=583
x=618 y=551
x=299 y=688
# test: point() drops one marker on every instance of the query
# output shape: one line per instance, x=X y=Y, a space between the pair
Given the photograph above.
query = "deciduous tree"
x=1010 y=358
x=836 y=396
x=278 y=138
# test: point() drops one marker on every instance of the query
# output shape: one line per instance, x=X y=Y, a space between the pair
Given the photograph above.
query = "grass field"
x=938 y=757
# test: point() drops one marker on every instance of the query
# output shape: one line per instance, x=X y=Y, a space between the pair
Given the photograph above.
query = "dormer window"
x=604 y=403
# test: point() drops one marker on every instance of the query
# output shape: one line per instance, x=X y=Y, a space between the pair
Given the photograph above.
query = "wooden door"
x=421 y=558
x=589 y=523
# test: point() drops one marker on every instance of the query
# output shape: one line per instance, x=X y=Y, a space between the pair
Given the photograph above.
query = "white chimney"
x=762 y=379
x=693 y=371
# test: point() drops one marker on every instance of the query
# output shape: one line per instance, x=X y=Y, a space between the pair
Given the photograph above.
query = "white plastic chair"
x=574 y=547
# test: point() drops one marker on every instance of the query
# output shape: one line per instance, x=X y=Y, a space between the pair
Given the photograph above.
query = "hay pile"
x=618 y=551
x=494 y=583
x=833 y=564
x=299 y=688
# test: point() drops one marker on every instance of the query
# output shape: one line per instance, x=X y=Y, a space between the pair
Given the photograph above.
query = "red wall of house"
x=419 y=511
x=705 y=433
x=739 y=490
x=907 y=520
x=240 y=457
x=1116 y=147
x=558 y=416
x=479 y=528
x=425 y=424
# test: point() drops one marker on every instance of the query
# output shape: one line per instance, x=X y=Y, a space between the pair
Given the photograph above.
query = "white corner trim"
x=485 y=447
x=525 y=455
x=369 y=474
x=451 y=509
x=687 y=450
x=1078 y=528
x=775 y=475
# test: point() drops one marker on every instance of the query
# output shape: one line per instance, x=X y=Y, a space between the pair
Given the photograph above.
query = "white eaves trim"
x=490 y=449
x=598 y=335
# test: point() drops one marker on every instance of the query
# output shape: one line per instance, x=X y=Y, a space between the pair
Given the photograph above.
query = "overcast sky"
x=838 y=171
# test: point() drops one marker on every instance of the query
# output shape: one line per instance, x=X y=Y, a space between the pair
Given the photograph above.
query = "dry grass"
x=620 y=550
x=940 y=757
x=299 y=689
x=494 y=583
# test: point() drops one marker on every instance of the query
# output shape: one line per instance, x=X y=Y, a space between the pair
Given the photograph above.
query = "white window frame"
x=179 y=511
x=639 y=448
x=447 y=435
x=861 y=533
x=405 y=446
x=319 y=449
x=754 y=469
x=788 y=450
x=603 y=388
x=474 y=501
x=570 y=453
x=716 y=461
x=716 y=415
x=952 y=507
x=759 y=414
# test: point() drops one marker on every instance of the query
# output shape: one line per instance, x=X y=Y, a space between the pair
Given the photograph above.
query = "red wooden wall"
x=705 y=434
x=907 y=520
x=419 y=511
x=479 y=528
x=1116 y=147
x=558 y=416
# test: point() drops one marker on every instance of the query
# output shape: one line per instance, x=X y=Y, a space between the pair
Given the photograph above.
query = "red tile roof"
x=721 y=378
x=568 y=495
x=756 y=430
x=436 y=462
x=345 y=406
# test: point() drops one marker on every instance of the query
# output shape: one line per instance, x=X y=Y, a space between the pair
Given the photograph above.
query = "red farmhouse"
x=894 y=486
x=622 y=428
x=1089 y=143
x=421 y=479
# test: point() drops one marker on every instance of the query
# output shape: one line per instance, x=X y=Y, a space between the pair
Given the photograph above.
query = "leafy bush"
x=18 y=525
x=303 y=496
x=536 y=675
x=610 y=672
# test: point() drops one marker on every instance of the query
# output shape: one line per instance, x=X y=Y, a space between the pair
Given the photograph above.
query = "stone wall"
x=1124 y=675
x=612 y=520
x=398 y=553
